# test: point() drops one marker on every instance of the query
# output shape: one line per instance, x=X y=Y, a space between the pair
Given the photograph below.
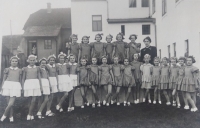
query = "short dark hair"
x=132 y=35
x=147 y=38
x=193 y=60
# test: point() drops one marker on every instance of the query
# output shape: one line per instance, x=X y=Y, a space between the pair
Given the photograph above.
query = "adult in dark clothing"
x=151 y=50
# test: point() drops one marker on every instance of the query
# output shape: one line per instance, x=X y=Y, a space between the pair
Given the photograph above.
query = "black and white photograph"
x=99 y=63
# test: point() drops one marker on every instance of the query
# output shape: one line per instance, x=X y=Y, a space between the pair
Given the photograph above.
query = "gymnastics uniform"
x=83 y=75
x=128 y=79
x=133 y=50
x=73 y=67
x=164 y=78
x=63 y=78
x=180 y=77
x=44 y=81
x=120 y=48
x=117 y=69
x=156 y=76
x=52 y=77
x=173 y=77
x=31 y=84
x=86 y=51
x=146 y=75
x=137 y=72
x=98 y=50
x=105 y=74
x=190 y=82
x=93 y=71
x=74 y=49
x=12 y=86
x=109 y=51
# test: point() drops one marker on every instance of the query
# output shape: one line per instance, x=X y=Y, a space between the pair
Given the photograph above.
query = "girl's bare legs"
x=109 y=93
x=83 y=95
x=194 y=97
x=127 y=96
x=71 y=101
x=40 y=101
x=10 y=101
x=134 y=94
x=178 y=100
x=116 y=94
x=155 y=95
x=50 y=102
x=44 y=103
x=166 y=96
x=95 y=93
x=30 y=112
x=159 y=97
x=185 y=100
x=62 y=99
x=138 y=92
x=192 y=103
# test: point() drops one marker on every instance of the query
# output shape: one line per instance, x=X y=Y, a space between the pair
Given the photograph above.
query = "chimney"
x=48 y=7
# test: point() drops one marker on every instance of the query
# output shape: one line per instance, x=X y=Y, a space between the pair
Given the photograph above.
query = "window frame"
x=169 y=53
x=149 y=29
x=174 y=48
x=132 y=6
x=142 y=4
x=98 y=30
x=164 y=7
x=186 y=48
x=123 y=30
x=45 y=45
x=153 y=6
x=160 y=53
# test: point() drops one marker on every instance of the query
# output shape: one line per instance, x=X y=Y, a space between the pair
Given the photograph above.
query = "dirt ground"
x=142 y=115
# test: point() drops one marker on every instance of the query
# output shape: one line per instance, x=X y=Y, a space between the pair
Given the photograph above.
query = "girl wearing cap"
x=64 y=85
x=11 y=86
x=133 y=47
x=85 y=49
x=45 y=86
x=146 y=70
x=53 y=78
x=73 y=48
x=31 y=82
x=98 y=48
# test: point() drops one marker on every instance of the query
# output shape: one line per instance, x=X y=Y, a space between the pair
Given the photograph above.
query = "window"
x=145 y=3
x=169 y=54
x=132 y=3
x=97 y=23
x=145 y=29
x=47 y=44
x=123 y=29
x=174 y=45
x=153 y=6
x=164 y=7
x=160 y=53
x=186 y=48
x=176 y=1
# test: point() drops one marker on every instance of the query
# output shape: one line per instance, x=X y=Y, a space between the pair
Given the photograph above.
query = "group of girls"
x=99 y=65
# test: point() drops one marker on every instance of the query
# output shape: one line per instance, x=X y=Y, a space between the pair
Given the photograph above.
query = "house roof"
x=11 y=41
x=58 y=16
x=42 y=31
x=131 y=20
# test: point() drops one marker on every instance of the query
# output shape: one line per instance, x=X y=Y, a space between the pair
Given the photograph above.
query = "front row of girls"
x=62 y=80
x=97 y=49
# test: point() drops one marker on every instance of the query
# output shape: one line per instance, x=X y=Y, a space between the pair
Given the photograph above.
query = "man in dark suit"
x=151 y=50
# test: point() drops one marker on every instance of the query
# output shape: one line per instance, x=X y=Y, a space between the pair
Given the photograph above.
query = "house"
x=90 y=17
x=47 y=31
x=178 y=27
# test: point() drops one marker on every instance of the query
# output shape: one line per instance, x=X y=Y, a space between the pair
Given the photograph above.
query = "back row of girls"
x=98 y=49
x=62 y=79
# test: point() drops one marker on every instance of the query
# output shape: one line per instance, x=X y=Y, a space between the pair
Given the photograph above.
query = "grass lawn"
x=142 y=115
